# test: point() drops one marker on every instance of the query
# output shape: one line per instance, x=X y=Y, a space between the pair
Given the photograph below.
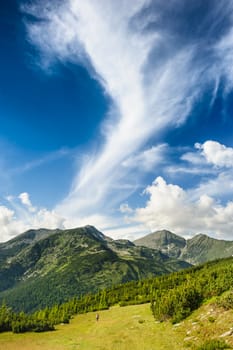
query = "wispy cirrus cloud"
x=219 y=187
x=42 y=160
x=151 y=66
x=15 y=161
x=146 y=160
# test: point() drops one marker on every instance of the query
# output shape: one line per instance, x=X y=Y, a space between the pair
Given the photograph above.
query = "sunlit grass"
x=126 y=328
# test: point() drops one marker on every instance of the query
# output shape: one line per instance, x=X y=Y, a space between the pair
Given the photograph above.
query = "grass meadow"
x=124 y=328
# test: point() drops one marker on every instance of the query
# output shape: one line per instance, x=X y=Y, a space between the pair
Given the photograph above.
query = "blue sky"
x=118 y=115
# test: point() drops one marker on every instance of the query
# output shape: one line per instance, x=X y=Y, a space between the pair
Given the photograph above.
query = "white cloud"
x=6 y=216
x=21 y=218
x=10 y=227
x=146 y=96
x=124 y=208
x=42 y=160
x=217 y=154
x=24 y=197
x=130 y=232
x=144 y=100
x=210 y=158
x=194 y=158
x=224 y=50
x=170 y=207
x=211 y=165
x=147 y=159
x=177 y=170
x=25 y=200
x=18 y=217
x=220 y=186
x=48 y=219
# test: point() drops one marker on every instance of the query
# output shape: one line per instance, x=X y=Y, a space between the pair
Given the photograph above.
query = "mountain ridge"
x=198 y=249
x=43 y=267
x=40 y=268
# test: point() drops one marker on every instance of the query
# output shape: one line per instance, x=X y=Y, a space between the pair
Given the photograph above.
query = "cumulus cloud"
x=20 y=216
x=217 y=154
x=170 y=207
x=6 y=215
x=210 y=158
x=47 y=218
x=10 y=227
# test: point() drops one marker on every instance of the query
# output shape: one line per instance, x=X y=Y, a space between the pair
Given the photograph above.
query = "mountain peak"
x=200 y=236
x=198 y=249
x=168 y=242
x=96 y=233
x=162 y=236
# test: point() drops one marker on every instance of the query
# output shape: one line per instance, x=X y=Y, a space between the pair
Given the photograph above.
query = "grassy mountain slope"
x=118 y=328
x=196 y=250
x=43 y=267
x=203 y=295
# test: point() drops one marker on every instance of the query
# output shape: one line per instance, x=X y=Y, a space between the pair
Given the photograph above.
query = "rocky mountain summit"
x=199 y=249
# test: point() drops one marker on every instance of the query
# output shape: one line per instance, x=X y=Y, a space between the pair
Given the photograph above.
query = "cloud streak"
x=153 y=71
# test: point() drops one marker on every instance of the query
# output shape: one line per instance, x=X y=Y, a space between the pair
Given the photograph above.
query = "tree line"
x=172 y=297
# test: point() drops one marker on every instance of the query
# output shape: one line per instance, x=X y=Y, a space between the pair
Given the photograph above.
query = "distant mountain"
x=198 y=249
x=202 y=248
x=165 y=241
x=43 y=267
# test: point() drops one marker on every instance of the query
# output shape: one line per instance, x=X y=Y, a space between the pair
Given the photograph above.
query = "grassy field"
x=131 y=327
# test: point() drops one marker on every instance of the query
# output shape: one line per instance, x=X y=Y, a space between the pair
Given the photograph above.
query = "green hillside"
x=41 y=267
x=173 y=298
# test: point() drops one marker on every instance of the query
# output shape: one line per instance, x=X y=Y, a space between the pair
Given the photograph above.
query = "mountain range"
x=199 y=249
x=42 y=267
